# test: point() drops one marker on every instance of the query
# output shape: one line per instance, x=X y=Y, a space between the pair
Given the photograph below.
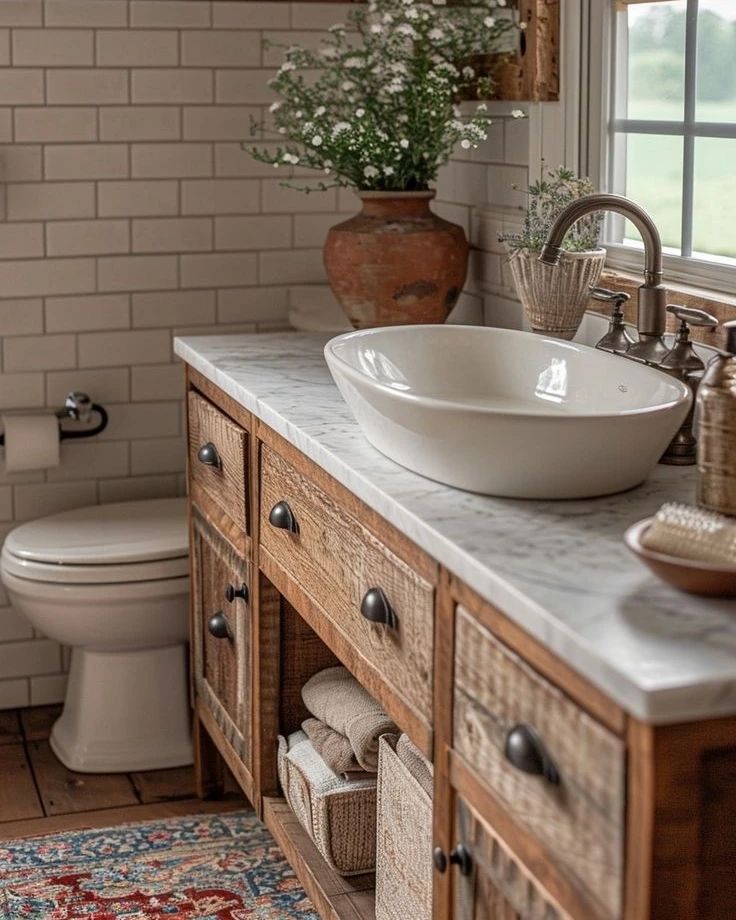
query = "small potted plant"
x=555 y=297
x=375 y=108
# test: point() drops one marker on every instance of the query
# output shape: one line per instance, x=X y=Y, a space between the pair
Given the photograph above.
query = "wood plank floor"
x=38 y=795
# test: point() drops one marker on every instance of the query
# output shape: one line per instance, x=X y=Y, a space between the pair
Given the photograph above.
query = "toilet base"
x=125 y=711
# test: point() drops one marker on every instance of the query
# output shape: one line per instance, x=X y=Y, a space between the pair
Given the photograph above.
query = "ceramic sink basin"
x=507 y=413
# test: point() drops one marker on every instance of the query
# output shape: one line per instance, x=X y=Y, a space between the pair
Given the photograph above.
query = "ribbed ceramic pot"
x=555 y=296
x=396 y=262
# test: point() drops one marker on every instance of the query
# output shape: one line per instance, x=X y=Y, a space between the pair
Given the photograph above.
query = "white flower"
x=395 y=86
x=320 y=111
x=338 y=27
x=439 y=2
x=275 y=106
x=340 y=127
x=412 y=13
x=388 y=170
x=518 y=113
x=406 y=29
x=403 y=143
x=501 y=2
x=328 y=52
x=465 y=143
x=286 y=66
x=353 y=62
x=370 y=172
x=317 y=140
x=436 y=35
x=298 y=113
x=388 y=18
x=376 y=28
x=359 y=113
x=489 y=21
x=347 y=86
x=291 y=158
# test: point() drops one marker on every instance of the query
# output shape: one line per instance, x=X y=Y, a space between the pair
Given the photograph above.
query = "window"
x=670 y=134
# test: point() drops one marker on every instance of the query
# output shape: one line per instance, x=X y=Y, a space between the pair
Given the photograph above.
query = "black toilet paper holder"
x=79 y=408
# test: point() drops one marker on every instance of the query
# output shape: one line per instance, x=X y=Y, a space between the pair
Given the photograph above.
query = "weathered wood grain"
x=224 y=484
x=335 y=559
x=18 y=797
x=500 y=887
x=582 y=819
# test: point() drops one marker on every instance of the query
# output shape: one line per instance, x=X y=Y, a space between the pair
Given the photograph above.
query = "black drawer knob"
x=526 y=751
x=440 y=860
x=461 y=858
x=231 y=593
x=219 y=627
x=282 y=516
x=208 y=455
x=375 y=607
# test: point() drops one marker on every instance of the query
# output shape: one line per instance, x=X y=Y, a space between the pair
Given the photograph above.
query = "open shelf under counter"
x=334 y=896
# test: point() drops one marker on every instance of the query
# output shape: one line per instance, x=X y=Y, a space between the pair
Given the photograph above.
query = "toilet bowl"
x=111 y=581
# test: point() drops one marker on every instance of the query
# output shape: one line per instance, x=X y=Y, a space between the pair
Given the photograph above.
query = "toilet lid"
x=117 y=534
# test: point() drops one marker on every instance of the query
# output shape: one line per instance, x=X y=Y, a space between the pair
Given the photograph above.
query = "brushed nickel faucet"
x=652 y=299
x=679 y=361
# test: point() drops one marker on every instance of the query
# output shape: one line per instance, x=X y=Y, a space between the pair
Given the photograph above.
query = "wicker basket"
x=338 y=814
x=403 y=840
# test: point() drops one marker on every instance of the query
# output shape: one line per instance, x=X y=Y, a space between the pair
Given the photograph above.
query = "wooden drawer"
x=580 y=819
x=224 y=477
x=335 y=560
x=499 y=886
x=221 y=635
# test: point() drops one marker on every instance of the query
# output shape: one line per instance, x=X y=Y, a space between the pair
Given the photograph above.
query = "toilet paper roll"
x=31 y=442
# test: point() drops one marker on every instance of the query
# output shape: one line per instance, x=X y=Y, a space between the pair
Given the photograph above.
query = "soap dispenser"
x=683 y=362
x=717 y=430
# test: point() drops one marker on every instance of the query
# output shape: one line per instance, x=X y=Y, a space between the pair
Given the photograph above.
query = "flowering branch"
x=375 y=107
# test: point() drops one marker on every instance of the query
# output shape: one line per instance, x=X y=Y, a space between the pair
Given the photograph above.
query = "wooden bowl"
x=712 y=579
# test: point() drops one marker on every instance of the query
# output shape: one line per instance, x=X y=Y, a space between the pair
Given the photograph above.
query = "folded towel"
x=335 y=749
x=416 y=763
x=692 y=533
x=336 y=698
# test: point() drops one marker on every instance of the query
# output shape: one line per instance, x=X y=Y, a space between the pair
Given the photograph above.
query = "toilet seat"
x=102 y=544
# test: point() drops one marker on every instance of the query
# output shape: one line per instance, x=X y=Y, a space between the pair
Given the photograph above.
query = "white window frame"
x=598 y=127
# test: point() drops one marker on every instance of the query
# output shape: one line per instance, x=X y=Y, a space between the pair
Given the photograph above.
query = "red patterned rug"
x=208 y=867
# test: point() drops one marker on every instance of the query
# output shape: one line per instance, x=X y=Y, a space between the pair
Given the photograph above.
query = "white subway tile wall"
x=129 y=213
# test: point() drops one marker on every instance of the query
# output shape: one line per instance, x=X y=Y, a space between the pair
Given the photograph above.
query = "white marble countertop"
x=559 y=569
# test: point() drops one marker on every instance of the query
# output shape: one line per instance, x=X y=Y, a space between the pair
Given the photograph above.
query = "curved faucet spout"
x=652 y=294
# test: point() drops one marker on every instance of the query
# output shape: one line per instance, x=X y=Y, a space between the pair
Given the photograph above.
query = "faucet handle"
x=617 y=298
x=692 y=316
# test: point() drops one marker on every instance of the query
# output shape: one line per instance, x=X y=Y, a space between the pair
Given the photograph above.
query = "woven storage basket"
x=338 y=814
x=403 y=840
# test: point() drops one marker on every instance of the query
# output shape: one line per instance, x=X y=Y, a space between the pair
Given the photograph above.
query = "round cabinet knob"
x=208 y=455
x=283 y=518
x=526 y=751
x=375 y=607
x=219 y=627
x=440 y=860
x=461 y=858
x=231 y=593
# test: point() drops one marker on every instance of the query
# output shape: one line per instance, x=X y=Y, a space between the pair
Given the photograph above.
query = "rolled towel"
x=335 y=749
x=692 y=533
x=416 y=763
x=336 y=698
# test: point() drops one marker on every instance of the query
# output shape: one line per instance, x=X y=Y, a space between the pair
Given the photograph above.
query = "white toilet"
x=112 y=582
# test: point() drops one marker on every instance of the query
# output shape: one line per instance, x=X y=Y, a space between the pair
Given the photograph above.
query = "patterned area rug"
x=208 y=867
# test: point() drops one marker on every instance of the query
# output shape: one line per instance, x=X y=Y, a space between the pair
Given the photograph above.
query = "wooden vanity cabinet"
x=550 y=802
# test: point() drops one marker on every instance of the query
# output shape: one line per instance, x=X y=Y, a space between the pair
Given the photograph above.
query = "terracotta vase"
x=555 y=296
x=396 y=262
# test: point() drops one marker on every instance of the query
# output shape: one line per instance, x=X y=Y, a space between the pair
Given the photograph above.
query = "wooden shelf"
x=334 y=897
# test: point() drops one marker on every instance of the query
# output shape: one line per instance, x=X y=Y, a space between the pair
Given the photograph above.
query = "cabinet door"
x=221 y=653
x=489 y=882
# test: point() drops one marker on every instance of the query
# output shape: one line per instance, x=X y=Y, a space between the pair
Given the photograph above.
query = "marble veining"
x=559 y=569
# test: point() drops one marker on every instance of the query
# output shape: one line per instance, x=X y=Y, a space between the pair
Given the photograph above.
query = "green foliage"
x=375 y=107
x=547 y=198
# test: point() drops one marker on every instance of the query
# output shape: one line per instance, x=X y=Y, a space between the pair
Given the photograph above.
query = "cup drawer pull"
x=209 y=455
x=219 y=627
x=375 y=607
x=526 y=751
x=283 y=518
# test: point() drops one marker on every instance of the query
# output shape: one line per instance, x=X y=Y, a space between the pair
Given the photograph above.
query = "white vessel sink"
x=504 y=412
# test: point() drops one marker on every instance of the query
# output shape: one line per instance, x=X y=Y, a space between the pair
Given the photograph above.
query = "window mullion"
x=688 y=167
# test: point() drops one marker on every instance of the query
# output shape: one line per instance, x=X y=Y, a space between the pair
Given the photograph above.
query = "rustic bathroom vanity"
x=580 y=715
